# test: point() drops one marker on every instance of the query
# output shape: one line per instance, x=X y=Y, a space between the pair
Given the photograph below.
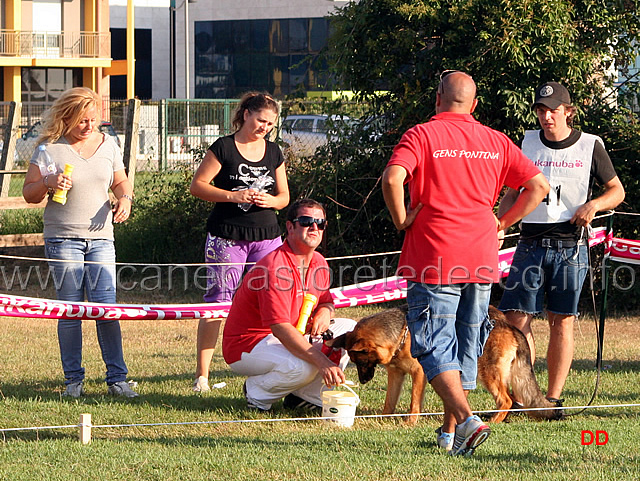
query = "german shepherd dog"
x=383 y=338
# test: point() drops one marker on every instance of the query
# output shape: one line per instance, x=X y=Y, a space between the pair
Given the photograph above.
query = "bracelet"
x=45 y=182
x=126 y=196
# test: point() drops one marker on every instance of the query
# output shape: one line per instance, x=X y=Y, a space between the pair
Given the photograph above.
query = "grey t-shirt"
x=87 y=212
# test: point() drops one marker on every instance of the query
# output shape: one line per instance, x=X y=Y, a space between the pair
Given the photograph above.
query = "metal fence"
x=171 y=131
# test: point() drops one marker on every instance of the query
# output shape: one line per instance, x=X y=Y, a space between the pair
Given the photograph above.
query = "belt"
x=553 y=243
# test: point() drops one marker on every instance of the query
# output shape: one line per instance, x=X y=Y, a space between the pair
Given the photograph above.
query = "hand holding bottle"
x=308 y=304
x=61 y=192
x=259 y=185
x=45 y=162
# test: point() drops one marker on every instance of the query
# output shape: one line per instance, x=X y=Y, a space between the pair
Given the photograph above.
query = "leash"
x=599 y=324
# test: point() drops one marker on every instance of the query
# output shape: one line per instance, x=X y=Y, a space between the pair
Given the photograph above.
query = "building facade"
x=48 y=46
x=152 y=47
x=233 y=45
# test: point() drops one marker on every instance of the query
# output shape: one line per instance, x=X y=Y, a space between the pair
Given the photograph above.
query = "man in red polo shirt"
x=260 y=338
x=455 y=168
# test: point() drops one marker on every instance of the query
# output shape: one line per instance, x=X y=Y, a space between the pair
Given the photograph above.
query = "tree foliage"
x=508 y=46
x=390 y=53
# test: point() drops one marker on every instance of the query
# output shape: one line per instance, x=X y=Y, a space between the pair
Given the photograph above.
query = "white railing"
x=20 y=43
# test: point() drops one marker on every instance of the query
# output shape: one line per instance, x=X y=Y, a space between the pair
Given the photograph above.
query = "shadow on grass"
x=228 y=404
x=369 y=442
x=227 y=400
x=610 y=366
x=220 y=400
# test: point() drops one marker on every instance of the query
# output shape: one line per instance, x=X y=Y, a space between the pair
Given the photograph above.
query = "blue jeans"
x=449 y=325
x=98 y=281
x=536 y=270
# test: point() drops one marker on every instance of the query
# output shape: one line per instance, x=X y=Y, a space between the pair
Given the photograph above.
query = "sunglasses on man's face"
x=308 y=221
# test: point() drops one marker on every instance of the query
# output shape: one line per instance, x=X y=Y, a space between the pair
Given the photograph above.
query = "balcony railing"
x=20 y=43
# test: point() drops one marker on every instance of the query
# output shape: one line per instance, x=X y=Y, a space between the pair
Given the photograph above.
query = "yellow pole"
x=12 y=75
x=187 y=84
x=131 y=59
x=90 y=74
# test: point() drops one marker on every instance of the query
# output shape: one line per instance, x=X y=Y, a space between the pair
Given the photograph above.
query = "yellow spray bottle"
x=61 y=194
x=305 y=312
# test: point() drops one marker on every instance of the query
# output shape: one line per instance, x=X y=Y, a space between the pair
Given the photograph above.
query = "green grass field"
x=161 y=358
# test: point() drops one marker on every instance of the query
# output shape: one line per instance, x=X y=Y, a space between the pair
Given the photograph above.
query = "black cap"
x=552 y=95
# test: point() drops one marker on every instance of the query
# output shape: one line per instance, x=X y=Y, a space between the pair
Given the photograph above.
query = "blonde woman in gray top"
x=81 y=230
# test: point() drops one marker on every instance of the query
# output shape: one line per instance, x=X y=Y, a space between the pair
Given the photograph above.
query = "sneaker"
x=291 y=401
x=445 y=440
x=74 y=390
x=469 y=435
x=250 y=404
x=121 y=388
x=201 y=384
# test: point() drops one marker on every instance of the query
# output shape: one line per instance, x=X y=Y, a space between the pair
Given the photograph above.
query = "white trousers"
x=273 y=372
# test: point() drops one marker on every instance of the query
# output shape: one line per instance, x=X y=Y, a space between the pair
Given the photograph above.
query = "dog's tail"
x=524 y=384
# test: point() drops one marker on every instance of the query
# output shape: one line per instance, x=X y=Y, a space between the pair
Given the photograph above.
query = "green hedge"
x=167 y=224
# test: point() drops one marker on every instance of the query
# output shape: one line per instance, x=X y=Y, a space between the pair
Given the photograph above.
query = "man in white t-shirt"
x=551 y=258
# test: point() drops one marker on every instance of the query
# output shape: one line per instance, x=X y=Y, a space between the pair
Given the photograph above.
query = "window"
x=278 y=56
x=305 y=125
x=299 y=35
x=143 y=77
x=321 y=125
x=46 y=84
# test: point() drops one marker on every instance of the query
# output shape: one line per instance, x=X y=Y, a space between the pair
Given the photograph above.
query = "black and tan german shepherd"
x=383 y=338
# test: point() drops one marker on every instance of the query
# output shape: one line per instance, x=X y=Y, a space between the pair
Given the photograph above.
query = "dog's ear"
x=338 y=342
x=361 y=345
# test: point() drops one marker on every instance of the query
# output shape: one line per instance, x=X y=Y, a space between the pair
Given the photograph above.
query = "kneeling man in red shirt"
x=260 y=338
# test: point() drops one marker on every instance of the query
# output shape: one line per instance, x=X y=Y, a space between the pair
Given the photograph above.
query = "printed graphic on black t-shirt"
x=231 y=220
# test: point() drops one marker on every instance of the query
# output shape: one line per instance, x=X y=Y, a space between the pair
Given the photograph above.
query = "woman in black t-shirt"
x=249 y=185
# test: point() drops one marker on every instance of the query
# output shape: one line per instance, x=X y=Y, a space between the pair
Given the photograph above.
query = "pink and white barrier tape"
x=14 y=306
x=624 y=250
x=372 y=292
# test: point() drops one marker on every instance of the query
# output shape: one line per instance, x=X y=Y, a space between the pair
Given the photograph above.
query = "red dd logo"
x=588 y=437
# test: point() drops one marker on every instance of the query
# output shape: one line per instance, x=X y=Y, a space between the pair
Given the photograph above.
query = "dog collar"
x=403 y=339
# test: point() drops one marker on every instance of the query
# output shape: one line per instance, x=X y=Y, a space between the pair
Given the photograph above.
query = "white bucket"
x=340 y=406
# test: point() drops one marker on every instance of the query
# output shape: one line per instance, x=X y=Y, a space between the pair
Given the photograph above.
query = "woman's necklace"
x=81 y=148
